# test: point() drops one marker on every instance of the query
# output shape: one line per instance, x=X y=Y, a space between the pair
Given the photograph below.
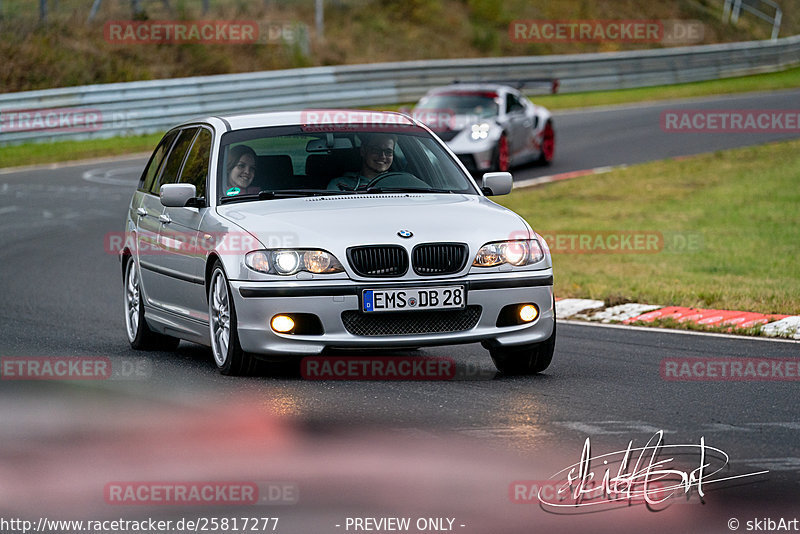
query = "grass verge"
x=728 y=221
x=39 y=153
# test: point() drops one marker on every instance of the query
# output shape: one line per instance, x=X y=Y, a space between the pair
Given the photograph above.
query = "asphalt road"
x=366 y=449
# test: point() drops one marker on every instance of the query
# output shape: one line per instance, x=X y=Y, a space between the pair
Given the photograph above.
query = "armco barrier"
x=151 y=106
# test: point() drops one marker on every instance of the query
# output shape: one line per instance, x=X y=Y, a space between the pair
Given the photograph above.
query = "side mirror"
x=497 y=183
x=177 y=195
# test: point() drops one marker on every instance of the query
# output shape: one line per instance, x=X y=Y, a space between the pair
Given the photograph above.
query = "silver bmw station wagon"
x=278 y=235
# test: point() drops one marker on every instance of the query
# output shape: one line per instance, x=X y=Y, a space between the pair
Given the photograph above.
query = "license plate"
x=427 y=298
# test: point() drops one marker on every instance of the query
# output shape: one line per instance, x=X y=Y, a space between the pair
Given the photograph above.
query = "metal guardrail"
x=152 y=106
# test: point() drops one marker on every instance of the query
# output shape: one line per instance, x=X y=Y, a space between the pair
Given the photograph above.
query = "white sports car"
x=488 y=126
x=279 y=235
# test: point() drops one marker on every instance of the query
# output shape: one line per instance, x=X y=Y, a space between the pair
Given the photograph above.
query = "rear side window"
x=195 y=170
x=513 y=104
x=150 y=173
x=172 y=165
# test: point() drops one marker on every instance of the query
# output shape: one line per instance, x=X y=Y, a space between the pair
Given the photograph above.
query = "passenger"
x=377 y=155
x=241 y=170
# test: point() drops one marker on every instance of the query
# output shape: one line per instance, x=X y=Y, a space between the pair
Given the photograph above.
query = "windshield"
x=268 y=163
x=474 y=103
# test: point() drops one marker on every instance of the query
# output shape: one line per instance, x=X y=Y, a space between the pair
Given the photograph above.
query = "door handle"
x=141 y=212
x=164 y=218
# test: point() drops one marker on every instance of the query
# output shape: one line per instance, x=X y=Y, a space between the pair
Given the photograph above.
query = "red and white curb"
x=596 y=310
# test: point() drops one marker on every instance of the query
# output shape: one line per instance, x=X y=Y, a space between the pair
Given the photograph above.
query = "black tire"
x=228 y=355
x=525 y=359
x=139 y=334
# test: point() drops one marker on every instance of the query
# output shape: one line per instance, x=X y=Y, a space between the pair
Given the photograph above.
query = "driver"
x=377 y=155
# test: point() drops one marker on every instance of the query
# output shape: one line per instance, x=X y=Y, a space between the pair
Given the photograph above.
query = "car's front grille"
x=410 y=322
x=439 y=258
x=378 y=260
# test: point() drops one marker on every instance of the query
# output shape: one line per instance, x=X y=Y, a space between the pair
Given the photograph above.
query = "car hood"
x=336 y=222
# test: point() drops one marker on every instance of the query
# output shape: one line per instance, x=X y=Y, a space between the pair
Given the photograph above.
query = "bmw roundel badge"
x=405 y=233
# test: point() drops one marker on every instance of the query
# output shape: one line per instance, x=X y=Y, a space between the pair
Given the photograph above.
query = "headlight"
x=290 y=261
x=479 y=131
x=286 y=261
x=258 y=261
x=318 y=261
x=518 y=253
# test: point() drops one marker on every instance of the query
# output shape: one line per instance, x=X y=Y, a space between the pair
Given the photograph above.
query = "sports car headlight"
x=518 y=253
x=479 y=131
x=290 y=261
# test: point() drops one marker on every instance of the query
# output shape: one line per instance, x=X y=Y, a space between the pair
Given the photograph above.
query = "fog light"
x=528 y=313
x=282 y=323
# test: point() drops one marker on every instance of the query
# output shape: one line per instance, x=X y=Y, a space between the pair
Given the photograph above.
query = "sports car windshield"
x=281 y=162
x=476 y=104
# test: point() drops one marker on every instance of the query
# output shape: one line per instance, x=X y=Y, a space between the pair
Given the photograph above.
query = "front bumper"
x=256 y=303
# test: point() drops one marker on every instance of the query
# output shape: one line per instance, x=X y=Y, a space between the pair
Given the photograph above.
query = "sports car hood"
x=336 y=222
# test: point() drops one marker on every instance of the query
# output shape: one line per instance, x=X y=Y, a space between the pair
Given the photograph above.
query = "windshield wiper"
x=378 y=189
x=237 y=198
x=301 y=193
x=283 y=193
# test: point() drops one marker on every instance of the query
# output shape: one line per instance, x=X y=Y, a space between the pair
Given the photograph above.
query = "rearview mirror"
x=328 y=143
x=497 y=183
x=177 y=195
